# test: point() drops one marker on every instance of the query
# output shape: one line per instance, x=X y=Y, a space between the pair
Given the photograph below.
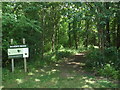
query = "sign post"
x=25 y=65
x=12 y=58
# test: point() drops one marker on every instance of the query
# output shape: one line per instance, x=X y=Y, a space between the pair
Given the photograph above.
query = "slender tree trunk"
x=43 y=28
x=114 y=35
x=118 y=35
x=87 y=27
x=100 y=31
x=57 y=34
x=78 y=38
x=100 y=36
x=53 y=40
x=107 y=28
x=118 y=27
x=107 y=34
x=53 y=32
x=69 y=35
x=75 y=33
x=75 y=38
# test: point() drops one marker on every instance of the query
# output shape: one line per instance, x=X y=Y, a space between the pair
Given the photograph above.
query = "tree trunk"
x=58 y=37
x=107 y=28
x=69 y=35
x=118 y=36
x=86 y=39
x=113 y=34
x=75 y=33
x=100 y=31
x=53 y=32
x=107 y=34
x=43 y=28
x=53 y=40
x=75 y=38
x=118 y=27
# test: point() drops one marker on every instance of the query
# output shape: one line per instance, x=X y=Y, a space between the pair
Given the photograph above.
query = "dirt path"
x=76 y=64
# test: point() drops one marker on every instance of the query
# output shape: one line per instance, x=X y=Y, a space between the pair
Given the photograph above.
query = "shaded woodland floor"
x=68 y=74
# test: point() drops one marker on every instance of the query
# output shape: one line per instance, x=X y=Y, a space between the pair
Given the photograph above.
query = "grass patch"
x=50 y=77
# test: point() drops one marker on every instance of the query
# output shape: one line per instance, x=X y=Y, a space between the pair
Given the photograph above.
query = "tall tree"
x=107 y=27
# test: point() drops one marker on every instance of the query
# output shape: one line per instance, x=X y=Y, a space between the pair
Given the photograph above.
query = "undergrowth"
x=105 y=62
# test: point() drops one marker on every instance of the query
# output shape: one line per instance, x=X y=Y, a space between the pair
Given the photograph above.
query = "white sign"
x=18 y=52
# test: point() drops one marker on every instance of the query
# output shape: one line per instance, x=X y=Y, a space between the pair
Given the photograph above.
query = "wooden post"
x=25 y=64
x=12 y=58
